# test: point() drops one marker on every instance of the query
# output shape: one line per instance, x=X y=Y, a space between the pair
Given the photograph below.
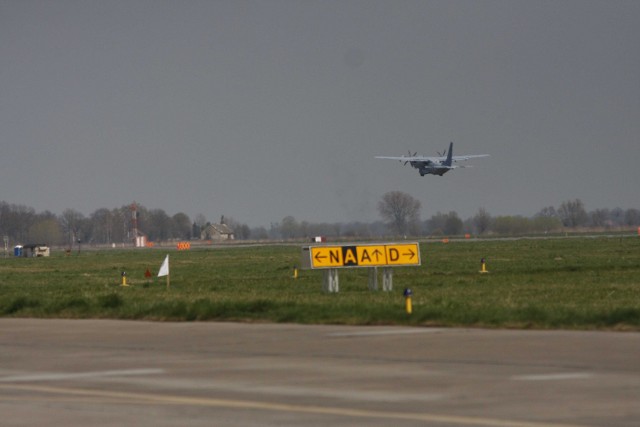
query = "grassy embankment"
x=588 y=283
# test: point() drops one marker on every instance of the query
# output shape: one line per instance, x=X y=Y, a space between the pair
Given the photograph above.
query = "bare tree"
x=102 y=225
x=454 y=225
x=600 y=217
x=46 y=231
x=15 y=220
x=572 y=213
x=71 y=221
x=289 y=227
x=400 y=211
x=200 y=220
x=158 y=225
x=482 y=221
x=547 y=212
x=448 y=224
x=632 y=217
x=181 y=226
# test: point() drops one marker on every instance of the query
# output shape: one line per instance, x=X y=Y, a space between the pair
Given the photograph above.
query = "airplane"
x=434 y=165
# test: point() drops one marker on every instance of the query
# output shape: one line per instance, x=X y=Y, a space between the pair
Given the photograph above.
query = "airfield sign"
x=372 y=255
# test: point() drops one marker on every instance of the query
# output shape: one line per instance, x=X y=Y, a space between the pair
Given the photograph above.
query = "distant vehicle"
x=434 y=165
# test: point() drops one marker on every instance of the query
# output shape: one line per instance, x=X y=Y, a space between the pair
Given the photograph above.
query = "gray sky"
x=262 y=109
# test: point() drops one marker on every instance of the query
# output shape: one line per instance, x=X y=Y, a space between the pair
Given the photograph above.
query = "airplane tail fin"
x=449 y=155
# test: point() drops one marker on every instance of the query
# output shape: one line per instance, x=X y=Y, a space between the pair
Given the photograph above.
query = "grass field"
x=576 y=283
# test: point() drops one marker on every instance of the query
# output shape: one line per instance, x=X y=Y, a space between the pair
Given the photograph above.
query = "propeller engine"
x=414 y=154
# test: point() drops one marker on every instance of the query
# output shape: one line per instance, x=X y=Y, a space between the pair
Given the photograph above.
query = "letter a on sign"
x=349 y=255
x=371 y=255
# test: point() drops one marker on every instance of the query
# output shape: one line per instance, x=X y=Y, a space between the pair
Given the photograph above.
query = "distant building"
x=35 y=250
x=217 y=232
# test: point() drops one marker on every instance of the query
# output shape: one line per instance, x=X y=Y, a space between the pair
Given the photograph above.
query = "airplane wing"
x=431 y=159
x=471 y=156
x=413 y=158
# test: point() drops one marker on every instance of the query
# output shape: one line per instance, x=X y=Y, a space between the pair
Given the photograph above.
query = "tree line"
x=402 y=214
x=104 y=226
x=399 y=213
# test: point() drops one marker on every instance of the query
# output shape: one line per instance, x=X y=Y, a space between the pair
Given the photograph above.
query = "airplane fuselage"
x=432 y=171
x=430 y=168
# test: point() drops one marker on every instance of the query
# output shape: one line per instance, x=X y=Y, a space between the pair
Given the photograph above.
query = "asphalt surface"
x=119 y=373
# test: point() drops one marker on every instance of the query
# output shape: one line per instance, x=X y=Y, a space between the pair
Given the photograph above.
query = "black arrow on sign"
x=411 y=253
x=377 y=253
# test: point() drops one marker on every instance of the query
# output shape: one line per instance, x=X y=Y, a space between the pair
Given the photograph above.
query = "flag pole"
x=168 y=281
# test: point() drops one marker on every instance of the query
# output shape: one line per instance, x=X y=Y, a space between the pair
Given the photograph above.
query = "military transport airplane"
x=434 y=165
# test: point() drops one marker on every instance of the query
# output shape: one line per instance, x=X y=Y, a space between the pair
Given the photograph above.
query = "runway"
x=120 y=373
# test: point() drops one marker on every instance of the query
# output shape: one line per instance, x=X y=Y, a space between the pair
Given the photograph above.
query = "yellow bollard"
x=295 y=272
x=484 y=266
x=124 y=279
x=407 y=298
x=408 y=307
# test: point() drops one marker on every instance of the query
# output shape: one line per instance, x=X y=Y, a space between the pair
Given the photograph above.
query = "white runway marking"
x=385 y=332
x=553 y=377
x=73 y=376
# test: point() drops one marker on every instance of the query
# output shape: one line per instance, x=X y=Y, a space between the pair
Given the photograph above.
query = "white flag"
x=164 y=268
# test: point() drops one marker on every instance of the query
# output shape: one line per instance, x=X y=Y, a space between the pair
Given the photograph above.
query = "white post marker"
x=164 y=270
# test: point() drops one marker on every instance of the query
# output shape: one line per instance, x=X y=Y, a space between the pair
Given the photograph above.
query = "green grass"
x=587 y=283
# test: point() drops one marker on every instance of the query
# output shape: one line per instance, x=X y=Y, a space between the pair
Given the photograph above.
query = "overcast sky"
x=261 y=109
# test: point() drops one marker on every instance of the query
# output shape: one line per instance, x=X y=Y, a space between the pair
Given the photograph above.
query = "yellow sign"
x=326 y=256
x=371 y=256
x=376 y=255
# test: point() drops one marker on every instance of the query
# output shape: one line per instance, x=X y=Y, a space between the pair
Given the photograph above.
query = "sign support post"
x=330 y=280
x=373 y=278
x=387 y=279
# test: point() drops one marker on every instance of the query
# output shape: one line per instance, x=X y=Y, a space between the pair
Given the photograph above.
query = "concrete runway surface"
x=125 y=373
